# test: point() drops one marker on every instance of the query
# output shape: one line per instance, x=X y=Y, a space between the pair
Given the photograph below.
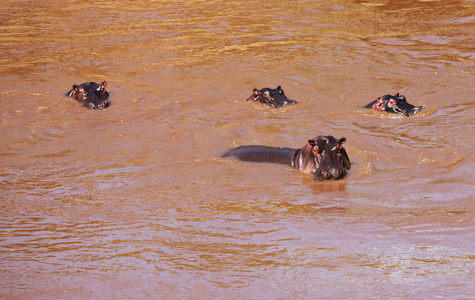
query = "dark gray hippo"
x=272 y=97
x=91 y=94
x=394 y=104
x=323 y=156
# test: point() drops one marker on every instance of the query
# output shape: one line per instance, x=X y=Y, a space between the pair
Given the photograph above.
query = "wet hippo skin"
x=91 y=94
x=394 y=104
x=324 y=157
x=272 y=97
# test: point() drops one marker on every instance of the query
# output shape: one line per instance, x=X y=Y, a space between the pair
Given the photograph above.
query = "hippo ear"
x=314 y=146
x=397 y=94
x=342 y=140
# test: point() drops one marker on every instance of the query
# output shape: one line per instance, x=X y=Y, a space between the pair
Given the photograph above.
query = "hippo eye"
x=316 y=150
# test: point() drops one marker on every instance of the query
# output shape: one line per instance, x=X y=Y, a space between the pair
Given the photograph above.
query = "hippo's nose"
x=338 y=173
x=399 y=109
x=325 y=174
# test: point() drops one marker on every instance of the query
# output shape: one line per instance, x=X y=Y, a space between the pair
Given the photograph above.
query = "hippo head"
x=325 y=157
x=91 y=94
x=271 y=97
x=394 y=104
x=332 y=162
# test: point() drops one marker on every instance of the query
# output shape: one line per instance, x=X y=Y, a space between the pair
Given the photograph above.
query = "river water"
x=135 y=201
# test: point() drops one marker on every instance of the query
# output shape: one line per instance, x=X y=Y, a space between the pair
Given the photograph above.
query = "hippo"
x=394 y=104
x=272 y=97
x=91 y=94
x=324 y=157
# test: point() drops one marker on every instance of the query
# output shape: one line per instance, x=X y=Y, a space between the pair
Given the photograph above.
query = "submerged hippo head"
x=325 y=157
x=271 y=97
x=91 y=94
x=394 y=104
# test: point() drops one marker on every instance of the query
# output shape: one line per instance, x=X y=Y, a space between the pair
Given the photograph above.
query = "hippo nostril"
x=399 y=110
x=325 y=174
x=339 y=173
x=336 y=173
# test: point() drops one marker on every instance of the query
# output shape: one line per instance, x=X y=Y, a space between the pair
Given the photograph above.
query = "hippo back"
x=257 y=153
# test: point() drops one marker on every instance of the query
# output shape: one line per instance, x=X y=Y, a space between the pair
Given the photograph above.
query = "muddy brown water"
x=135 y=201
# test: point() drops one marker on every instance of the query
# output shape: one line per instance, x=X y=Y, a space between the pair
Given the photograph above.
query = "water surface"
x=136 y=202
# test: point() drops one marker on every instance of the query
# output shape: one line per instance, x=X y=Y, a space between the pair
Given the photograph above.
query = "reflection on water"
x=135 y=201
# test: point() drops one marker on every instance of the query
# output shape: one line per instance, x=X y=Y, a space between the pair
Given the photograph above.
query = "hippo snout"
x=325 y=174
